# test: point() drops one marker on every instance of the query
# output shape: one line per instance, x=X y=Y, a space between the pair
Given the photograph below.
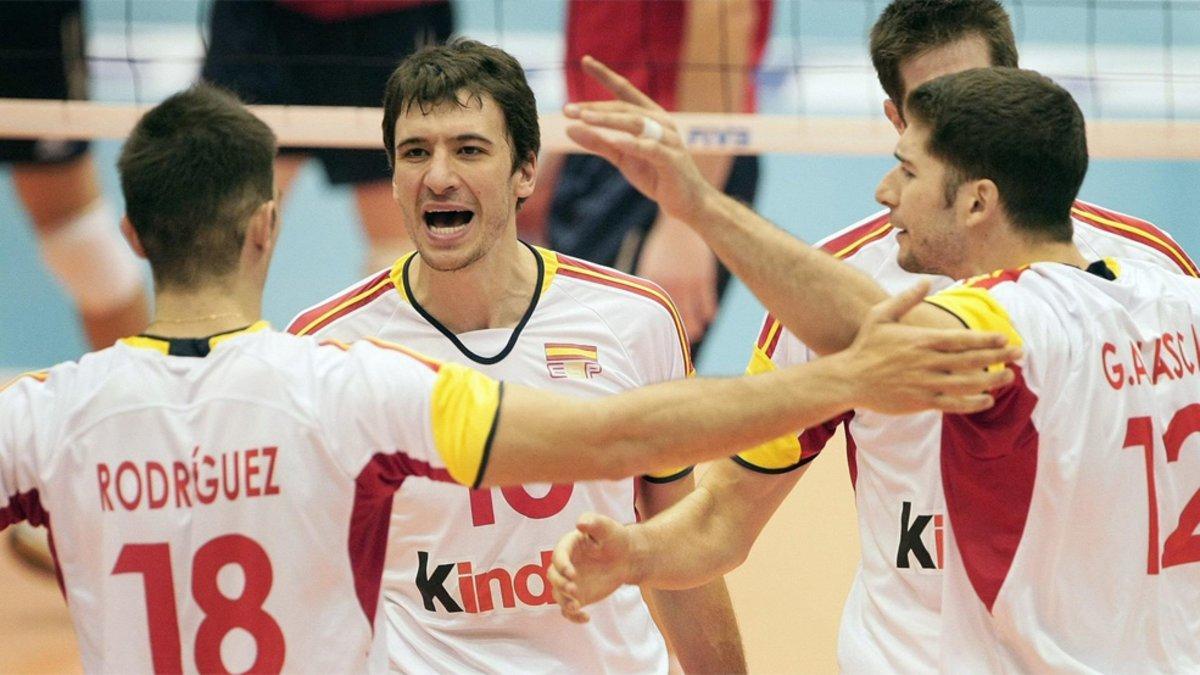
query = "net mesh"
x=1133 y=65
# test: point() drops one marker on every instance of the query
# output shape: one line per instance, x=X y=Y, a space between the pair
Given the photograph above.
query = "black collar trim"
x=198 y=347
x=516 y=334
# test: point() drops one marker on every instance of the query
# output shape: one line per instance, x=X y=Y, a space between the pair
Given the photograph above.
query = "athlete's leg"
x=81 y=243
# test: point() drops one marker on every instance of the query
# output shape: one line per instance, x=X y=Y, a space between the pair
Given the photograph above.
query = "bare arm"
x=890 y=368
x=705 y=535
x=698 y=622
x=819 y=299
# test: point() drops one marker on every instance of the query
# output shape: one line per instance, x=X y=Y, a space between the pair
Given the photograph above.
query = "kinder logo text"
x=475 y=592
x=921 y=546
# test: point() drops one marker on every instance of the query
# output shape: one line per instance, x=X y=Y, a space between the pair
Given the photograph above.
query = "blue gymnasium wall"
x=809 y=195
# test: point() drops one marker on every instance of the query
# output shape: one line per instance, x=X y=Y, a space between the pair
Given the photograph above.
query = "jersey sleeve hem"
x=661 y=479
x=746 y=464
x=487 y=446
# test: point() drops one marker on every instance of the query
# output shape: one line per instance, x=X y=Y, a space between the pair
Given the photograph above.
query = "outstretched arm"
x=819 y=299
x=698 y=622
x=891 y=368
x=705 y=535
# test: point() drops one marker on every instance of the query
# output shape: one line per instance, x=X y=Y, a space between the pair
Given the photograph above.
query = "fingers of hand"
x=964 y=405
x=615 y=83
x=977 y=359
x=895 y=307
x=636 y=123
x=961 y=340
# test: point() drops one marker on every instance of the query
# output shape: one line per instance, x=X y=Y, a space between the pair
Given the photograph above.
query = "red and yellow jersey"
x=228 y=512
x=1074 y=503
x=892 y=617
x=465 y=582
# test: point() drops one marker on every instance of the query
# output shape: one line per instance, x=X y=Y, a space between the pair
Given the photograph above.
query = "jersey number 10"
x=221 y=614
x=1183 y=544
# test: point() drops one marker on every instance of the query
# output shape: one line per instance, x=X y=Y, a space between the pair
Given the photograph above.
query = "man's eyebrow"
x=461 y=137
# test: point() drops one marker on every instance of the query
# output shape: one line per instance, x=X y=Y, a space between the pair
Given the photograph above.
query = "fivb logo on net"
x=724 y=136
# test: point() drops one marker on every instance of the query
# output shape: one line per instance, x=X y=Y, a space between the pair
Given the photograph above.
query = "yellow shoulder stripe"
x=343 y=305
x=465 y=407
x=782 y=452
x=978 y=310
x=39 y=375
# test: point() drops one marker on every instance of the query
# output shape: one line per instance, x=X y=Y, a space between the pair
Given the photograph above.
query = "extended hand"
x=899 y=369
x=589 y=564
x=660 y=168
x=677 y=259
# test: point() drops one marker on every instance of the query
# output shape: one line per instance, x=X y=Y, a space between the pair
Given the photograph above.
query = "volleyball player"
x=892 y=615
x=56 y=180
x=211 y=449
x=462 y=133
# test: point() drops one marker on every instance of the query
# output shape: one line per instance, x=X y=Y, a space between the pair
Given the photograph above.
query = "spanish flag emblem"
x=571 y=361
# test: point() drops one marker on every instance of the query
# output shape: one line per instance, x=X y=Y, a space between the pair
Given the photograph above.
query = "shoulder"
x=1111 y=233
x=348 y=302
x=861 y=238
x=633 y=307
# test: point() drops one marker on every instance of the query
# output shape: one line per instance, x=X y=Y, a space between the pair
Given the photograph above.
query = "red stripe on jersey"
x=852 y=240
x=27 y=506
x=989 y=462
x=1135 y=229
x=320 y=316
x=433 y=365
x=585 y=271
x=842 y=246
x=374 y=489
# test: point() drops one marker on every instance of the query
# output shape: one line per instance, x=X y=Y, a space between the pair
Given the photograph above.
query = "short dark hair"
x=440 y=74
x=193 y=171
x=908 y=28
x=1016 y=128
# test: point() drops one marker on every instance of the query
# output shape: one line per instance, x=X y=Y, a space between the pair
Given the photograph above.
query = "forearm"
x=818 y=298
x=690 y=544
x=700 y=625
x=659 y=427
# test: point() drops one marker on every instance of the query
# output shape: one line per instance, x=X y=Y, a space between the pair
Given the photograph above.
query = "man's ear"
x=131 y=237
x=526 y=177
x=981 y=202
x=263 y=228
x=892 y=111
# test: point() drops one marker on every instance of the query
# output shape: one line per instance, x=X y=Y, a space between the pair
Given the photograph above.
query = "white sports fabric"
x=465 y=582
x=1075 y=501
x=225 y=512
x=891 y=620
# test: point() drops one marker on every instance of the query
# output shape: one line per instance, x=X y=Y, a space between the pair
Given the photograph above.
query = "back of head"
x=908 y=28
x=443 y=74
x=1014 y=127
x=193 y=171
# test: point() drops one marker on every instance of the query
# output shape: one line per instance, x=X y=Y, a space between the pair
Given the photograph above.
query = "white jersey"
x=223 y=513
x=891 y=619
x=1074 y=503
x=465 y=585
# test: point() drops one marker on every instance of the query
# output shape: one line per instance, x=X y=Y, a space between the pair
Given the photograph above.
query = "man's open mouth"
x=448 y=221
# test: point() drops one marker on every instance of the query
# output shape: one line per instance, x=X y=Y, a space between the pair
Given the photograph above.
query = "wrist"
x=837 y=380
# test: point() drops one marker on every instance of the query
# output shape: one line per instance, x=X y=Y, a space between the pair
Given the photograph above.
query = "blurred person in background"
x=42 y=56
x=331 y=53
x=693 y=56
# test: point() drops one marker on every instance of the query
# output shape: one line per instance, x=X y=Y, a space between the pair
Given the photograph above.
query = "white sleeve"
x=390 y=409
x=24 y=405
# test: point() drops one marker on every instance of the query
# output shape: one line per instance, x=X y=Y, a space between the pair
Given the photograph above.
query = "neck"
x=1017 y=250
x=492 y=292
x=206 y=310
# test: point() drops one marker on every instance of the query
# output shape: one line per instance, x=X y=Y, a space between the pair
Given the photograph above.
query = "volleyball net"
x=1133 y=65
